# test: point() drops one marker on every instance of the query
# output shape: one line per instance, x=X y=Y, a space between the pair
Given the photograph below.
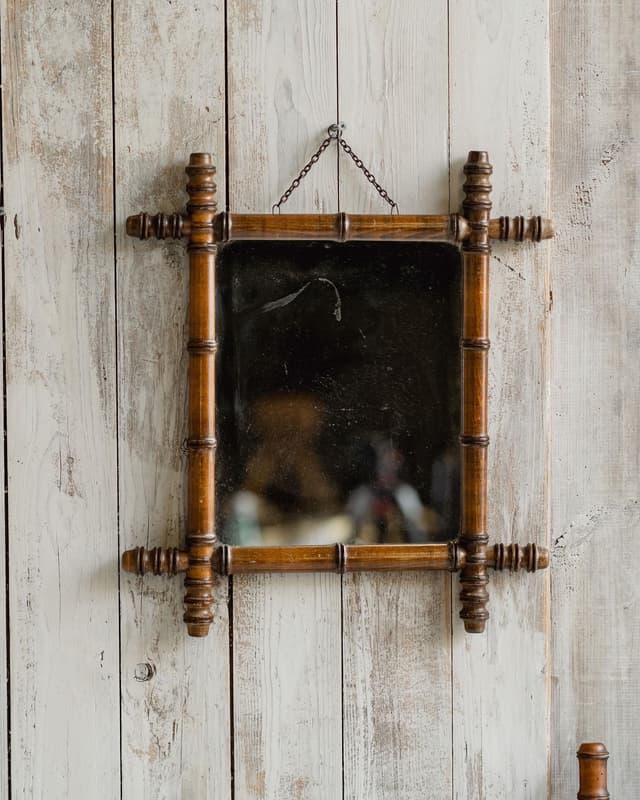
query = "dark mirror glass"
x=338 y=393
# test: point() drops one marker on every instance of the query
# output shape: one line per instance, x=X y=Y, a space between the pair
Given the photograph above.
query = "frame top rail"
x=342 y=227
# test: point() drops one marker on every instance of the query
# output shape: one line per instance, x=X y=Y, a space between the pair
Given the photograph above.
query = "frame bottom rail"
x=340 y=558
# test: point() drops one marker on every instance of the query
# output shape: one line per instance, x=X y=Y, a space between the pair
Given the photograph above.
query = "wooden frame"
x=205 y=232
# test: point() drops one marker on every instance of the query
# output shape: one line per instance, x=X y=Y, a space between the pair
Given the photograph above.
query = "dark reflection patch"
x=338 y=392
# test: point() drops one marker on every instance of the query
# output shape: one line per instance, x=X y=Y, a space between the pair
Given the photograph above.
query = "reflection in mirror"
x=338 y=393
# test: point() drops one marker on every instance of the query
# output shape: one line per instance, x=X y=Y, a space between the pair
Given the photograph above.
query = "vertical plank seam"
x=226 y=105
x=342 y=680
x=451 y=676
x=449 y=111
x=5 y=453
x=337 y=119
x=548 y=413
x=117 y=374
x=450 y=577
x=548 y=586
x=337 y=123
x=342 y=575
x=232 y=751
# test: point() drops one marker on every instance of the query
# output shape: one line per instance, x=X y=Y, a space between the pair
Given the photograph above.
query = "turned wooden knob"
x=514 y=557
x=158 y=226
x=158 y=561
x=520 y=229
x=592 y=762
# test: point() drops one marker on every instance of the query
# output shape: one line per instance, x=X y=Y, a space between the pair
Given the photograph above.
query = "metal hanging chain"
x=303 y=173
x=335 y=132
x=369 y=176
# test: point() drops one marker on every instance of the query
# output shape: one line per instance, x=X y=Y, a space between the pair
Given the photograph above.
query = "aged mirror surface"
x=338 y=393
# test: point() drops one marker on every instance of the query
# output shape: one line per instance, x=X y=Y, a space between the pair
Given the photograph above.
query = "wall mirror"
x=338 y=372
x=338 y=393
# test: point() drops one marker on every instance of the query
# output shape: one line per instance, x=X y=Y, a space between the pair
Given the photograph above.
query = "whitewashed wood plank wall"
x=500 y=97
x=312 y=687
x=61 y=439
x=595 y=389
x=162 y=109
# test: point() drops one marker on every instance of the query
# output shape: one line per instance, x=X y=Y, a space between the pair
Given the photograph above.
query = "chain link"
x=368 y=175
x=303 y=173
x=334 y=132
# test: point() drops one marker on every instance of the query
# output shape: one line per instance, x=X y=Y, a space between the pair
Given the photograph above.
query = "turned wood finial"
x=592 y=763
x=477 y=201
x=514 y=557
x=161 y=226
x=520 y=229
x=157 y=561
x=201 y=188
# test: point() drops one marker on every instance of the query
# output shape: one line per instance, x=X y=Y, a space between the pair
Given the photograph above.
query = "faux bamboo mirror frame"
x=207 y=233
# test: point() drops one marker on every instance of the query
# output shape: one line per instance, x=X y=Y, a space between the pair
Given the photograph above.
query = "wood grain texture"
x=4 y=663
x=396 y=642
x=339 y=227
x=397 y=686
x=61 y=395
x=61 y=403
x=592 y=763
x=249 y=560
x=169 y=101
x=393 y=89
x=333 y=558
x=4 y=648
x=282 y=98
x=499 y=102
x=474 y=439
x=201 y=429
x=287 y=688
x=287 y=670
x=596 y=436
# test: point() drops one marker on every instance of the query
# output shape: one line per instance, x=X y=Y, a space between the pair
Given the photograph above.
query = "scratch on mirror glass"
x=289 y=298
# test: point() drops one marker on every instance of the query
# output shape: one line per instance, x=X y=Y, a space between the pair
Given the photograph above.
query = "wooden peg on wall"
x=592 y=763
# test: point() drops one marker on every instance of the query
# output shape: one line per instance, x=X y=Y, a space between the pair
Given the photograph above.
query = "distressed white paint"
x=61 y=400
x=393 y=83
x=500 y=103
x=4 y=665
x=419 y=718
x=287 y=687
x=175 y=726
x=397 y=686
x=393 y=86
x=596 y=437
x=282 y=98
